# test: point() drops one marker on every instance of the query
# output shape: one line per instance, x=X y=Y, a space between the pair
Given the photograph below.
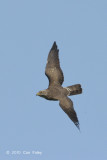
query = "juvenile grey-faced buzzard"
x=55 y=90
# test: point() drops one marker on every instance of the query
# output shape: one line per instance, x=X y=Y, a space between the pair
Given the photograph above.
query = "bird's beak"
x=38 y=94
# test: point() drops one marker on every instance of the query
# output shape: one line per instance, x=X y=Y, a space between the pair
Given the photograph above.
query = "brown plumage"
x=55 y=90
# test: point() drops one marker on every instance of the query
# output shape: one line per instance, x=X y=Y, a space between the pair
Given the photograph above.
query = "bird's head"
x=42 y=94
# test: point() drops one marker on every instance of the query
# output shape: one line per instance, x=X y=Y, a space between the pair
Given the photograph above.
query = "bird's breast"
x=55 y=93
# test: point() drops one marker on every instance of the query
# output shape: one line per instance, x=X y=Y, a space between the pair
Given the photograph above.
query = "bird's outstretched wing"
x=67 y=106
x=53 y=70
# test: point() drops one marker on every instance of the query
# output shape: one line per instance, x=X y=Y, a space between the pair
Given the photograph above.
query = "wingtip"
x=78 y=128
x=77 y=125
x=54 y=42
x=54 y=46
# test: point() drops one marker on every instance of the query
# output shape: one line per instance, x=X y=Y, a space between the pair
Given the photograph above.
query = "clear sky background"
x=30 y=123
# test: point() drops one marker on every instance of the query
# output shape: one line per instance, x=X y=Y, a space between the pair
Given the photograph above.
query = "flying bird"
x=55 y=91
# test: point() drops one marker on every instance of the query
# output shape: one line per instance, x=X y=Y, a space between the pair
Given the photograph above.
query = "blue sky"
x=29 y=123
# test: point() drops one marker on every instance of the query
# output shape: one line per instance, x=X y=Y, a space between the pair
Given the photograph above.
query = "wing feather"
x=67 y=106
x=53 y=70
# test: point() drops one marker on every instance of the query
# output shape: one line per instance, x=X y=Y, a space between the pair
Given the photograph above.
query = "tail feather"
x=74 y=89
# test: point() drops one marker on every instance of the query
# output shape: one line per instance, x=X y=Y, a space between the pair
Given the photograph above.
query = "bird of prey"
x=55 y=91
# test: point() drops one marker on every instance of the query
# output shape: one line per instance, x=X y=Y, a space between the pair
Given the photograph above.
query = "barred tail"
x=75 y=89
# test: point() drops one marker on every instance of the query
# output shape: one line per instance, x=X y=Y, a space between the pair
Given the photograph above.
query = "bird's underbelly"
x=51 y=98
x=55 y=95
